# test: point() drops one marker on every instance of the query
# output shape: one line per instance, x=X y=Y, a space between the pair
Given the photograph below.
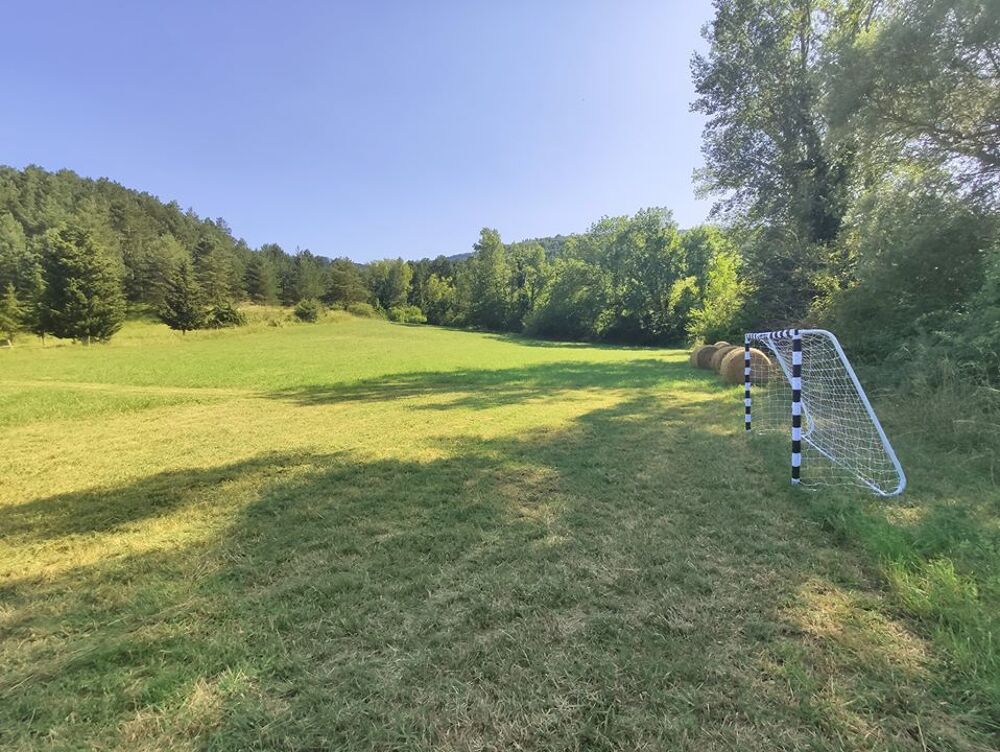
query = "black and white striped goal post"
x=836 y=436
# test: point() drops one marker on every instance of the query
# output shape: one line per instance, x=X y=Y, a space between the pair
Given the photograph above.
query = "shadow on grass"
x=527 y=341
x=481 y=388
x=102 y=510
x=609 y=586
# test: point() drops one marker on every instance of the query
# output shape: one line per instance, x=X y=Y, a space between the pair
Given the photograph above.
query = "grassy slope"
x=361 y=535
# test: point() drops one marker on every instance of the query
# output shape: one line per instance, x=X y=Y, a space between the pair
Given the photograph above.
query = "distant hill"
x=553 y=245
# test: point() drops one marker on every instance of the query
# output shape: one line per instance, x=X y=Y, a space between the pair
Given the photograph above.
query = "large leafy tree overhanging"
x=764 y=143
x=768 y=157
x=922 y=81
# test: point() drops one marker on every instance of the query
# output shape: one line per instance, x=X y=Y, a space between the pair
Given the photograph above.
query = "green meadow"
x=358 y=535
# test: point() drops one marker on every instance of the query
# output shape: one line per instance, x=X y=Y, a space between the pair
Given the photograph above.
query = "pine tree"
x=261 y=281
x=83 y=297
x=182 y=307
x=212 y=271
x=345 y=285
x=11 y=315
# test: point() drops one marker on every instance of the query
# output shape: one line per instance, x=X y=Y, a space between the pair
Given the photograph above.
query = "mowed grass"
x=359 y=535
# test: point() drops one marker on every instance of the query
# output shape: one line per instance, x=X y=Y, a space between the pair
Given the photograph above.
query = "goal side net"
x=800 y=382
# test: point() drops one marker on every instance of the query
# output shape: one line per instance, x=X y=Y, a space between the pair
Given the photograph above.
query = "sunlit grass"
x=358 y=535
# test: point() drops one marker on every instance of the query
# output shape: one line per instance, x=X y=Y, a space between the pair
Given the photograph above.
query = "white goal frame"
x=800 y=404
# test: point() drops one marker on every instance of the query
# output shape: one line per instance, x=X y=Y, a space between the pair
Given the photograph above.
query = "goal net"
x=800 y=382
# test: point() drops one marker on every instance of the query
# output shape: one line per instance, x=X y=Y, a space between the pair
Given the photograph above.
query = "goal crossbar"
x=827 y=408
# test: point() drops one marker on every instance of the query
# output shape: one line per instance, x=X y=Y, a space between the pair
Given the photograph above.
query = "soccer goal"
x=801 y=379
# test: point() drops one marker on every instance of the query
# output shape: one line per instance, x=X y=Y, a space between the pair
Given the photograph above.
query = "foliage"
x=363 y=310
x=923 y=81
x=82 y=299
x=718 y=314
x=439 y=300
x=308 y=310
x=261 y=280
x=390 y=282
x=528 y=270
x=345 y=284
x=483 y=284
x=915 y=254
x=183 y=308
x=853 y=147
x=224 y=315
x=764 y=142
x=406 y=315
x=11 y=314
x=573 y=304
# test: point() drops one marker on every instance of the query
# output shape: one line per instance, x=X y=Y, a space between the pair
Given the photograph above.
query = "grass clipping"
x=731 y=368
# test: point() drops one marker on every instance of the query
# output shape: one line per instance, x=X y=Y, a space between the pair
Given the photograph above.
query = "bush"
x=224 y=315
x=407 y=315
x=921 y=258
x=308 y=310
x=364 y=310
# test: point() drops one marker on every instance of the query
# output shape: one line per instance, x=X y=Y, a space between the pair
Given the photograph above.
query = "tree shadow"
x=524 y=340
x=102 y=510
x=482 y=388
x=632 y=581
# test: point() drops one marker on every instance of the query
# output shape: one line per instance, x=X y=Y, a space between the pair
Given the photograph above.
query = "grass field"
x=359 y=535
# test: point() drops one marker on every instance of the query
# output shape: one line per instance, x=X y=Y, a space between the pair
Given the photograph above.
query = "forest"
x=853 y=149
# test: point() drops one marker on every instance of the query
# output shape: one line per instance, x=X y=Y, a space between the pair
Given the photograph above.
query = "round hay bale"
x=731 y=369
x=693 y=360
x=722 y=343
x=704 y=359
x=721 y=353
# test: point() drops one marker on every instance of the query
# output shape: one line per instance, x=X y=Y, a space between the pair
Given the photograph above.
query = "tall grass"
x=938 y=546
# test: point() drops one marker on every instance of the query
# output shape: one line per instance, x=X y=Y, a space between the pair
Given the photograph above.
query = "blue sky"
x=366 y=129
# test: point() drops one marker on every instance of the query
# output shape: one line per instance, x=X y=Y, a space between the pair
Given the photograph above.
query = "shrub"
x=308 y=310
x=407 y=315
x=224 y=315
x=921 y=258
x=364 y=310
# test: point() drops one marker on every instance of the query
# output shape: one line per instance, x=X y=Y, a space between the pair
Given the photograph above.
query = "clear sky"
x=366 y=128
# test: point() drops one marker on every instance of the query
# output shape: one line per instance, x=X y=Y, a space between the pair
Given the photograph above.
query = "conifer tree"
x=212 y=271
x=182 y=307
x=260 y=280
x=11 y=315
x=83 y=297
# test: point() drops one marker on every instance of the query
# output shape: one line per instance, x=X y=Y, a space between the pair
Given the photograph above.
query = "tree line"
x=852 y=146
x=75 y=254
